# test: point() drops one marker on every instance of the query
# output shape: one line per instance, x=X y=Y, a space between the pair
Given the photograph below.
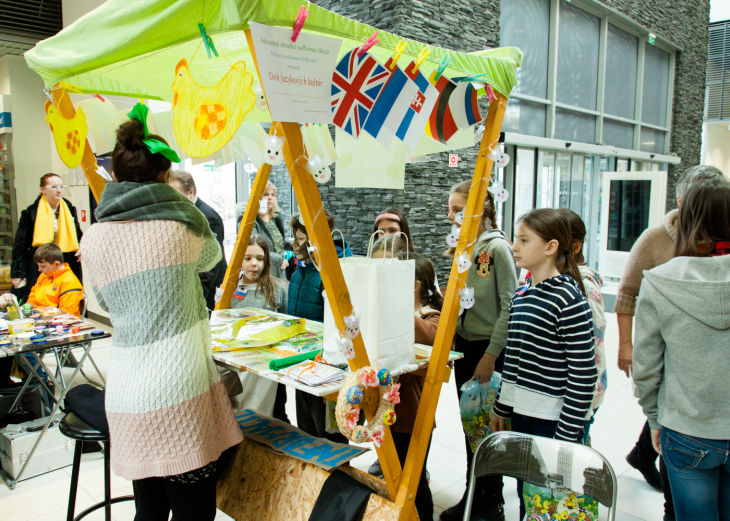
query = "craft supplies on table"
x=256 y=331
x=312 y=373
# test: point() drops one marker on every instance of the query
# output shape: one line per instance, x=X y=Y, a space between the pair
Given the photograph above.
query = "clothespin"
x=442 y=66
x=69 y=87
x=207 y=41
x=473 y=77
x=368 y=44
x=490 y=94
x=99 y=97
x=421 y=58
x=398 y=52
x=141 y=100
x=299 y=23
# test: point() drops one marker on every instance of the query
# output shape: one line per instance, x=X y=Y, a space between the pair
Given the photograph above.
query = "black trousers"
x=424 y=499
x=644 y=451
x=280 y=404
x=311 y=412
x=486 y=486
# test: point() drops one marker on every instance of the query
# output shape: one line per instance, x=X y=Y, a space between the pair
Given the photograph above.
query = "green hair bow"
x=139 y=112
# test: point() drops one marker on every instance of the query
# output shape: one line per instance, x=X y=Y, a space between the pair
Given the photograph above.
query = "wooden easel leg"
x=449 y=314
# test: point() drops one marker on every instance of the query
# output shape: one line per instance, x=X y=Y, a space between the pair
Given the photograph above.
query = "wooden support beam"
x=315 y=221
x=65 y=107
x=449 y=314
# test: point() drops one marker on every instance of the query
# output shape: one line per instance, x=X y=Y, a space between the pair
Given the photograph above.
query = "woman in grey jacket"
x=681 y=361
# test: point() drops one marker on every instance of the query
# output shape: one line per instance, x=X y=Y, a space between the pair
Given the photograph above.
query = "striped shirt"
x=549 y=366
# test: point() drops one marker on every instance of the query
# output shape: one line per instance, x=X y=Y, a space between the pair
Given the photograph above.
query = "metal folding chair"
x=70 y=360
x=546 y=463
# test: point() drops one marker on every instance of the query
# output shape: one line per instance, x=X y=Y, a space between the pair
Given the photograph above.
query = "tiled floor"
x=617 y=426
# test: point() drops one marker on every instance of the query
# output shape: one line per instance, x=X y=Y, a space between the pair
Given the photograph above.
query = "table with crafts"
x=46 y=331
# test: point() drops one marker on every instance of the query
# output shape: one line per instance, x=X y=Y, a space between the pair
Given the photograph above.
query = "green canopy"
x=131 y=47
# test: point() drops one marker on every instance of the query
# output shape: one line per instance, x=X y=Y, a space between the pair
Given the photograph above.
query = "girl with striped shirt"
x=549 y=369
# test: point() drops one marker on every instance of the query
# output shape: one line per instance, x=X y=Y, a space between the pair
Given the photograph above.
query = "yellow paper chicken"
x=69 y=134
x=206 y=118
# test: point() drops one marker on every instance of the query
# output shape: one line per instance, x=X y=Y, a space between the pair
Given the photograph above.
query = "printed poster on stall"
x=297 y=76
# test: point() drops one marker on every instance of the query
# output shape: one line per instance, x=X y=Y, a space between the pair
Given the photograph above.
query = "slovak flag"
x=441 y=125
x=420 y=110
x=356 y=84
x=391 y=108
x=463 y=104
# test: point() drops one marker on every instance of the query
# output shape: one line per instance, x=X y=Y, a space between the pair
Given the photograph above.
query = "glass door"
x=562 y=185
x=524 y=188
x=545 y=186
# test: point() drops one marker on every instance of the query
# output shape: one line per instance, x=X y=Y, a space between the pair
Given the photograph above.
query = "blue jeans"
x=699 y=474
x=536 y=427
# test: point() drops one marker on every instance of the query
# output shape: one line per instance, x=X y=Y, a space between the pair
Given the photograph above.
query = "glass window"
x=524 y=117
x=545 y=179
x=585 y=213
x=618 y=134
x=576 y=185
x=562 y=188
x=656 y=86
x=526 y=24
x=622 y=165
x=574 y=126
x=628 y=215
x=578 y=38
x=524 y=181
x=652 y=140
x=621 y=60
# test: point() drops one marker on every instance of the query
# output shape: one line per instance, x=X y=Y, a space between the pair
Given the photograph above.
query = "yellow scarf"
x=66 y=238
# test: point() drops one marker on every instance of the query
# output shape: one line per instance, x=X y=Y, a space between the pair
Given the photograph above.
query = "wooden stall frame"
x=401 y=482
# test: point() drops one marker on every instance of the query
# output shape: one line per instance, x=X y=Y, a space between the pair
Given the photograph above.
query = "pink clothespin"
x=490 y=93
x=299 y=23
x=368 y=44
x=97 y=96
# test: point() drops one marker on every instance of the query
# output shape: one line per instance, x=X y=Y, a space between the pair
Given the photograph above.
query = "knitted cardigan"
x=168 y=411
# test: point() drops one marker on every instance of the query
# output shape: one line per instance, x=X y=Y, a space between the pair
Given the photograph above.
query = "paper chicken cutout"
x=206 y=118
x=69 y=134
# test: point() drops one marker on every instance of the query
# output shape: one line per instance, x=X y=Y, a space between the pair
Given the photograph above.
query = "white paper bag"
x=381 y=291
x=259 y=394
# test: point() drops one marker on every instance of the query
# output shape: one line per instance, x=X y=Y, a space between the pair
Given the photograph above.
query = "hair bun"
x=130 y=134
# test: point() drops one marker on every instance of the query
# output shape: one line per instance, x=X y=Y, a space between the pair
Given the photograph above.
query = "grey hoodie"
x=682 y=346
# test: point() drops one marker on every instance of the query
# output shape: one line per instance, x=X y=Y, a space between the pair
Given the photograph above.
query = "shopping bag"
x=381 y=292
x=548 y=504
x=475 y=405
x=258 y=394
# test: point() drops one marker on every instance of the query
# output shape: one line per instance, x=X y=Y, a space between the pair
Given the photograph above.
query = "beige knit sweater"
x=653 y=248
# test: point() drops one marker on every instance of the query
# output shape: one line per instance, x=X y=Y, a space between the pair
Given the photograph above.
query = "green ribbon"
x=139 y=112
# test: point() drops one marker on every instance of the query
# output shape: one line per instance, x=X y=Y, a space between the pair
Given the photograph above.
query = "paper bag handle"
x=392 y=244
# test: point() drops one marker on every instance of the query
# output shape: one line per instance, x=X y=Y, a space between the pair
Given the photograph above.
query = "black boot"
x=648 y=470
x=484 y=507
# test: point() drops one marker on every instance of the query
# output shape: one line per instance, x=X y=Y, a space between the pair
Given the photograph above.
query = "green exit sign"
x=652 y=38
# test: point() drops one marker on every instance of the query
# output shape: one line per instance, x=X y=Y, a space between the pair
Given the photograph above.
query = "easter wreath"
x=351 y=395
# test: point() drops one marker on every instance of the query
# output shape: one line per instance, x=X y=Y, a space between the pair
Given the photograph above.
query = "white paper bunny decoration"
x=260 y=98
x=352 y=326
x=467 y=299
x=317 y=168
x=346 y=347
x=272 y=153
x=463 y=263
x=452 y=239
x=500 y=193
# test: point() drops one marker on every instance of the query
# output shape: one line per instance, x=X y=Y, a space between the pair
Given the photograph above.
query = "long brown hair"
x=550 y=225
x=401 y=219
x=266 y=283
x=704 y=218
x=426 y=275
x=489 y=212
x=577 y=231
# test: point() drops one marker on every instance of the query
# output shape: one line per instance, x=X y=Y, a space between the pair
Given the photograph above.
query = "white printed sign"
x=297 y=76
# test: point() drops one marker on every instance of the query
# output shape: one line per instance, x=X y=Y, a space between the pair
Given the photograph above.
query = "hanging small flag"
x=420 y=110
x=464 y=106
x=356 y=84
x=441 y=125
x=392 y=107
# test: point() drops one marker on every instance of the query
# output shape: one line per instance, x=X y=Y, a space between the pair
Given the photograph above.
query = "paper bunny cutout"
x=316 y=167
x=263 y=205
x=499 y=192
x=463 y=263
x=352 y=326
x=346 y=347
x=502 y=160
x=250 y=168
x=260 y=99
x=272 y=153
x=452 y=239
x=459 y=217
x=467 y=299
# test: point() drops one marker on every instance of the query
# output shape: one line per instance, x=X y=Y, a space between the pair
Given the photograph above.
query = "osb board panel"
x=370 y=481
x=262 y=485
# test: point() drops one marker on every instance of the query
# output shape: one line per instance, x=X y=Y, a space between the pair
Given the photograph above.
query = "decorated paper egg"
x=359 y=434
x=354 y=395
x=389 y=417
x=384 y=377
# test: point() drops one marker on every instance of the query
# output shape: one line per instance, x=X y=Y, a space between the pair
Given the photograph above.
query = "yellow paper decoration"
x=206 y=118
x=69 y=134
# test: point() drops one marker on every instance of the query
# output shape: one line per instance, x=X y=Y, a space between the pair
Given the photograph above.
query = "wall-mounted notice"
x=297 y=76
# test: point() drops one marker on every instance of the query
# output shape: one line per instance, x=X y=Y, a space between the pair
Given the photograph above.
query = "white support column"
x=552 y=67
x=600 y=95
x=639 y=91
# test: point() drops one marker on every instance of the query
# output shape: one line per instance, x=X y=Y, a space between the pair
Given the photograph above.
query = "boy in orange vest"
x=57 y=286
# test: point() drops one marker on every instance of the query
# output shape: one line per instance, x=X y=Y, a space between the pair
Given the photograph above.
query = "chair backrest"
x=82 y=306
x=548 y=463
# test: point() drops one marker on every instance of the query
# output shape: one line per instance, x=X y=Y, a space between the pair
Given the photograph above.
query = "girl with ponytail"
x=481 y=332
x=550 y=348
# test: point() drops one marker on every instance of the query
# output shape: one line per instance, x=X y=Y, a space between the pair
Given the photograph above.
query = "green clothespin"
x=442 y=66
x=207 y=41
x=473 y=77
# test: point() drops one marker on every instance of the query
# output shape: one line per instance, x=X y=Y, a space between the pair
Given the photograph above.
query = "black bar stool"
x=77 y=429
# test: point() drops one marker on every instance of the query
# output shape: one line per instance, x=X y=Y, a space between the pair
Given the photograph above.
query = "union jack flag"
x=356 y=84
